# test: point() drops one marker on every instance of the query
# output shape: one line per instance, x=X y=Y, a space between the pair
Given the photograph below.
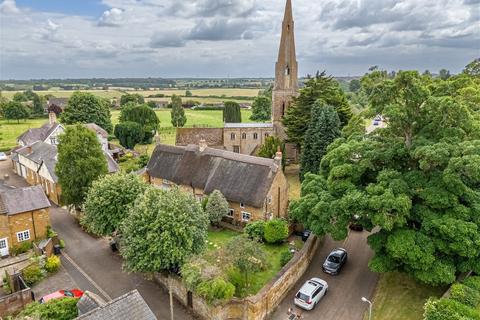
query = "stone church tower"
x=286 y=78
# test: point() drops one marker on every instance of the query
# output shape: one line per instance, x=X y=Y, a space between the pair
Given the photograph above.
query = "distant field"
x=117 y=93
x=10 y=131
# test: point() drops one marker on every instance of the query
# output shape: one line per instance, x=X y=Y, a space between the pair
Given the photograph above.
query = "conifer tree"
x=232 y=112
x=178 y=113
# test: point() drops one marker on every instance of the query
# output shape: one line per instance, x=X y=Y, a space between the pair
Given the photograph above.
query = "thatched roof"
x=212 y=136
x=241 y=178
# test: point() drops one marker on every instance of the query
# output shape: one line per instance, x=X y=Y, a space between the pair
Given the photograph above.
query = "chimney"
x=278 y=157
x=202 y=145
x=52 y=116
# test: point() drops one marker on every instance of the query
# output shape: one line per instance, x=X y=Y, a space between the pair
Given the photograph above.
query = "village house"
x=24 y=216
x=47 y=133
x=255 y=188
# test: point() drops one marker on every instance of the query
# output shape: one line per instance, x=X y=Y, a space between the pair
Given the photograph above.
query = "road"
x=343 y=301
x=91 y=264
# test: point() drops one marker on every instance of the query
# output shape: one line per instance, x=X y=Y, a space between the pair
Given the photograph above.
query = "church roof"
x=212 y=136
x=248 y=125
x=240 y=178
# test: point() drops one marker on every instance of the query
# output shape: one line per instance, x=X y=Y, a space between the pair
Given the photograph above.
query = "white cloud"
x=172 y=38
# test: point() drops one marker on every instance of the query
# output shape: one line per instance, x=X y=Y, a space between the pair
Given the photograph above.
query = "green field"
x=399 y=297
x=11 y=130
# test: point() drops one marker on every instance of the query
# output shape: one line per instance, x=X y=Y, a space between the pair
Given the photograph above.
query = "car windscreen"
x=334 y=259
x=302 y=296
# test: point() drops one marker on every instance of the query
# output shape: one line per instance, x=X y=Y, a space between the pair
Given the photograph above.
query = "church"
x=246 y=138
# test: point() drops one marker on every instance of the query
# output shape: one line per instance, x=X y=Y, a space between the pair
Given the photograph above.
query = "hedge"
x=466 y=295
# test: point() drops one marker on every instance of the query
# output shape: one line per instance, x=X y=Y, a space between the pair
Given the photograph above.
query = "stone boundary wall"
x=256 y=307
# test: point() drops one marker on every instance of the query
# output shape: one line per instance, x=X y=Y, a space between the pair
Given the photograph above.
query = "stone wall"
x=15 y=302
x=256 y=307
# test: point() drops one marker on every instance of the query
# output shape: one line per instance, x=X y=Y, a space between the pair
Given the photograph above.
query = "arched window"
x=283 y=109
x=287 y=71
x=266 y=135
x=232 y=136
x=244 y=136
x=255 y=136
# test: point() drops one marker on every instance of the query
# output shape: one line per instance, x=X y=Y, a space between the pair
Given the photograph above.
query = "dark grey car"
x=335 y=261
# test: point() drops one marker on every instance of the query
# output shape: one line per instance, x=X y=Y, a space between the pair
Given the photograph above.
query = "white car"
x=3 y=156
x=311 y=293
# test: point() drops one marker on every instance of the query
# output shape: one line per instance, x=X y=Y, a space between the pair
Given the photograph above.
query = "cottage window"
x=53 y=141
x=242 y=205
x=232 y=136
x=255 y=136
x=230 y=213
x=244 y=136
x=23 y=235
x=246 y=216
x=236 y=149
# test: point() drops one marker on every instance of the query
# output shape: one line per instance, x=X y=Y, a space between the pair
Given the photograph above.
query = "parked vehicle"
x=378 y=118
x=3 y=156
x=311 y=293
x=74 y=293
x=376 y=123
x=355 y=224
x=335 y=261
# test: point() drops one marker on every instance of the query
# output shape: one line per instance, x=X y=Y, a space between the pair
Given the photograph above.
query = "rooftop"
x=37 y=134
x=248 y=125
x=23 y=200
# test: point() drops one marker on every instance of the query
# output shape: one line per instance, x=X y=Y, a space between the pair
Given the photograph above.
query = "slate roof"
x=248 y=125
x=37 y=134
x=111 y=163
x=127 y=307
x=212 y=136
x=97 y=129
x=88 y=302
x=41 y=153
x=241 y=178
x=23 y=200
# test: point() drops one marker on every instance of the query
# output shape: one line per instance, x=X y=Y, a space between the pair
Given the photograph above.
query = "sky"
x=231 y=38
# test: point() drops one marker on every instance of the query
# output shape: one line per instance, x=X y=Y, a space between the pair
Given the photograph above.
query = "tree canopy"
x=84 y=107
x=129 y=134
x=15 y=110
x=323 y=129
x=416 y=180
x=179 y=119
x=163 y=228
x=109 y=200
x=232 y=112
x=134 y=98
x=261 y=109
x=144 y=116
x=217 y=206
x=320 y=87
x=270 y=147
x=80 y=162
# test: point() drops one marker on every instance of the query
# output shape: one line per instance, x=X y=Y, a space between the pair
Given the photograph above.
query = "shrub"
x=276 y=230
x=255 y=230
x=216 y=290
x=473 y=282
x=53 y=264
x=191 y=275
x=447 y=309
x=55 y=309
x=217 y=207
x=62 y=244
x=285 y=257
x=50 y=232
x=466 y=295
x=32 y=274
x=22 y=248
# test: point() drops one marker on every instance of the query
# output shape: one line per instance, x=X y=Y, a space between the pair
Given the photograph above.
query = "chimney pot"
x=52 y=116
x=278 y=157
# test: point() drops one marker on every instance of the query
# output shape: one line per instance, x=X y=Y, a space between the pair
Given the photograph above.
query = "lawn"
x=218 y=239
x=11 y=130
x=399 y=297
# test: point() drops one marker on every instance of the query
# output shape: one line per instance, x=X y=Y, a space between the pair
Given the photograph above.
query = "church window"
x=287 y=71
x=232 y=136
x=255 y=136
x=266 y=135
x=244 y=136
x=236 y=149
x=283 y=109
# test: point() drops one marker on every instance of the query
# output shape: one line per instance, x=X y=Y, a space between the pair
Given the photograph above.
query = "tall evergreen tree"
x=323 y=129
x=84 y=107
x=144 y=116
x=80 y=162
x=232 y=112
x=322 y=87
x=261 y=109
x=38 y=108
x=178 y=113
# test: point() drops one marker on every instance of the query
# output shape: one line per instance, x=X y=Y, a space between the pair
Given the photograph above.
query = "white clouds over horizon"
x=236 y=38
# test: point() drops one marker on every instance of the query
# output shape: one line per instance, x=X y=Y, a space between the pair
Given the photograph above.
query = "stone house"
x=47 y=133
x=255 y=188
x=246 y=138
x=24 y=216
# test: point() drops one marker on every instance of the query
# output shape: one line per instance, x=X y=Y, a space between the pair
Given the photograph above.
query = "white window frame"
x=231 y=213
x=23 y=235
x=244 y=213
x=242 y=205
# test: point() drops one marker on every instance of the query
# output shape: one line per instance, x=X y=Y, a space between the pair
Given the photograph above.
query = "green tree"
x=109 y=200
x=129 y=134
x=473 y=68
x=217 y=206
x=162 y=230
x=15 y=110
x=178 y=113
x=323 y=129
x=261 y=109
x=320 y=87
x=247 y=256
x=276 y=230
x=143 y=115
x=152 y=104
x=444 y=74
x=270 y=148
x=447 y=309
x=55 y=309
x=216 y=290
x=38 y=108
x=188 y=93
x=414 y=180
x=84 y=107
x=134 y=98
x=80 y=162
x=354 y=85
x=20 y=97
x=232 y=112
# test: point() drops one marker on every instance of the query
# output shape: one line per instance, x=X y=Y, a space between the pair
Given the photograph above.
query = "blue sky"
x=231 y=38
